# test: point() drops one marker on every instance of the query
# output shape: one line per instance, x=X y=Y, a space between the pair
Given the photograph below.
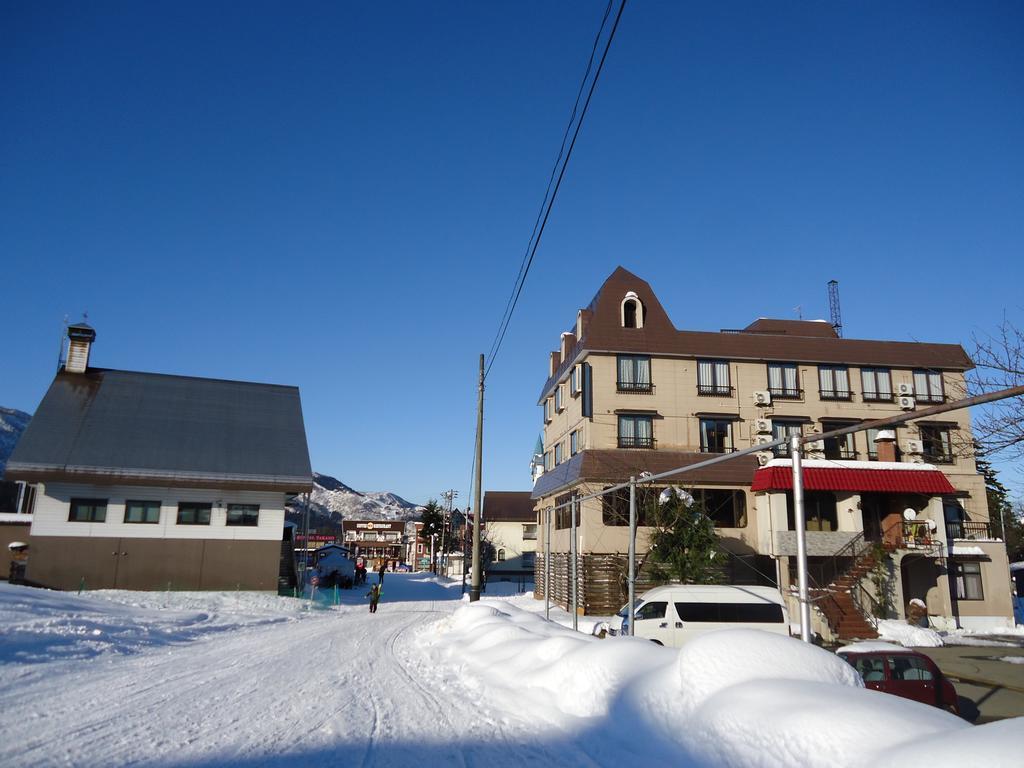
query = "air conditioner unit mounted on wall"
x=763 y=457
x=762 y=439
x=763 y=425
x=905 y=390
x=915 y=447
x=762 y=397
x=907 y=403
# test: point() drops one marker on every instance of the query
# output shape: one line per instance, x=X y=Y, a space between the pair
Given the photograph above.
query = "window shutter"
x=588 y=391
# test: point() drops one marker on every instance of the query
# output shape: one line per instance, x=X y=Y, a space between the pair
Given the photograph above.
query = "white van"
x=675 y=613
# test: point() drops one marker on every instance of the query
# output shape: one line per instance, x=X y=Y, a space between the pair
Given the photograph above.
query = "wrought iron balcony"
x=711 y=390
x=785 y=394
x=635 y=387
x=836 y=394
x=968 y=530
x=636 y=442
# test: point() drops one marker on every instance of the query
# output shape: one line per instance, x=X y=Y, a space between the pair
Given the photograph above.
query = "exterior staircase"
x=286 y=575
x=844 y=615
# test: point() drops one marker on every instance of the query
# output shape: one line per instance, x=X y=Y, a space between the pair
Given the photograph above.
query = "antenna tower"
x=833 y=307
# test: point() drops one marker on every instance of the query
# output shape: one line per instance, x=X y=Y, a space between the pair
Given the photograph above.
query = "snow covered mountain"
x=12 y=424
x=332 y=501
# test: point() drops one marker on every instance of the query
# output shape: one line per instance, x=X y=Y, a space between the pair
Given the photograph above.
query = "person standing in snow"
x=380 y=573
x=374 y=595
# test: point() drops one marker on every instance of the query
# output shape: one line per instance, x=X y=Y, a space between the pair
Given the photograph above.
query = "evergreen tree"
x=1005 y=518
x=684 y=546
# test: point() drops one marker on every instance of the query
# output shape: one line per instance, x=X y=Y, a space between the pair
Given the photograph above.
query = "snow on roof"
x=1017 y=566
x=14 y=517
x=964 y=550
x=870 y=646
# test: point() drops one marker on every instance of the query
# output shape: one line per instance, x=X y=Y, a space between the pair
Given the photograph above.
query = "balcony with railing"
x=836 y=394
x=634 y=387
x=713 y=390
x=635 y=442
x=969 y=530
x=781 y=393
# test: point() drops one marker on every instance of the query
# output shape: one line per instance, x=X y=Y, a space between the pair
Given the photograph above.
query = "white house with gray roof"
x=151 y=481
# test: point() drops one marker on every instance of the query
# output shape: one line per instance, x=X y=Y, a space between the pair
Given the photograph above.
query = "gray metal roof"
x=121 y=426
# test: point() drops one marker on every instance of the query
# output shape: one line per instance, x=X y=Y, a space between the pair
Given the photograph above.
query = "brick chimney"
x=885 y=443
x=556 y=359
x=80 y=339
x=582 y=320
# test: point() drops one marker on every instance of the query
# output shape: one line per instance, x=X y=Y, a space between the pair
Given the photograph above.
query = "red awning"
x=928 y=482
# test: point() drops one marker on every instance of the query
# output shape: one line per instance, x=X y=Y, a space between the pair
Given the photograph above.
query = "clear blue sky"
x=338 y=195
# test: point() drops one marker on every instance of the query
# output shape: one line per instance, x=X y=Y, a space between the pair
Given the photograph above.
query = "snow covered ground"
x=236 y=679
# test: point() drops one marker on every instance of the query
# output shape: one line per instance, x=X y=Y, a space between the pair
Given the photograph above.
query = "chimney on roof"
x=556 y=359
x=568 y=342
x=80 y=339
x=885 y=444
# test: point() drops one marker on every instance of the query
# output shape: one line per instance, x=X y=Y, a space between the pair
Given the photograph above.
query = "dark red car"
x=902 y=672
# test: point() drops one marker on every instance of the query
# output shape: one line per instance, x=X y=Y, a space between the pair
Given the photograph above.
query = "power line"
x=503 y=326
x=551 y=179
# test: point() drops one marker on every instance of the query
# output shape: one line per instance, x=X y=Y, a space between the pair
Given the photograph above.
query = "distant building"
x=511 y=527
x=151 y=481
x=626 y=393
x=376 y=541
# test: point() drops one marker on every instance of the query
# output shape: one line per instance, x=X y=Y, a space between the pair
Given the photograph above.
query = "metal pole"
x=801 y=537
x=631 y=577
x=547 y=565
x=575 y=570
x=474 y=586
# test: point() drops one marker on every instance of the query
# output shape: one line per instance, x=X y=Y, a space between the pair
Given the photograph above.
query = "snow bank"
x=908 y=635
x=715 y=661
x=38 y=625
x=734 y=697
x=993 y=745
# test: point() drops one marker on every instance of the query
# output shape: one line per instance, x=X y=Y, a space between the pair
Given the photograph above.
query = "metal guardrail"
x=969 y=530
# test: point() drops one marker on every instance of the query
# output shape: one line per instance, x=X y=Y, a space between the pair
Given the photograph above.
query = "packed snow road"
x=87 y=682
x=224 y=679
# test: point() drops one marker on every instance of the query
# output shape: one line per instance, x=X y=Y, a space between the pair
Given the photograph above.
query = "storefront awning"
x=927 y=482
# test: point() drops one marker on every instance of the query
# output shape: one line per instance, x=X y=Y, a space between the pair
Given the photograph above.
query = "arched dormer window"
x=632 y=311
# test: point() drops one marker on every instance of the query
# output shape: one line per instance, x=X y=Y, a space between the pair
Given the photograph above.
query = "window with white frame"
x=782 y=380
x=549 y=460
x=713 y=377
x=558 y=454
x=559 y=403
x=876 y=384
x=928 y=387
x=574 y=442
x=548 y=408
x=574 y=381
x=834 y=382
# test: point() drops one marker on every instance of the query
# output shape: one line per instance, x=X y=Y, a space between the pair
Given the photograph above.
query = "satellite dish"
x=909 y=514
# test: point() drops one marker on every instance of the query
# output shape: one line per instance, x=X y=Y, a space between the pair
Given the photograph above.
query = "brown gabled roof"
x=617 y=465
x=766 y=339
x=508 y=507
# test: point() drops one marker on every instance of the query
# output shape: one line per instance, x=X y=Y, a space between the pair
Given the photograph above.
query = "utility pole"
x=631 y=613
x=474 y=586
x=547 y=565
x=799 y=517
x=575 y=570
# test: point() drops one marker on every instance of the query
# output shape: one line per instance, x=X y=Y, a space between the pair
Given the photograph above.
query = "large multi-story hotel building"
x=628 y=393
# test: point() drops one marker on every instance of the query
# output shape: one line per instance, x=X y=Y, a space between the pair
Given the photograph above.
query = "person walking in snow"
x=374 y=595
x=380 y=573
